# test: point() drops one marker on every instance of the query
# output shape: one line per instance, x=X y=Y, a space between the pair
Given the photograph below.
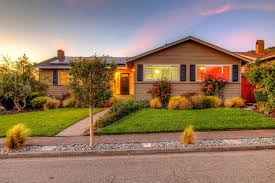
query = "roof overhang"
x=190 y=38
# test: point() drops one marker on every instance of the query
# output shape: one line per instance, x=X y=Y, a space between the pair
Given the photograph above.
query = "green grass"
x=44 y=123
x=163 y=120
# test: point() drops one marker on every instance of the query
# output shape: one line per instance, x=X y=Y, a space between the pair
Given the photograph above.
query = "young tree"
x=90 y=79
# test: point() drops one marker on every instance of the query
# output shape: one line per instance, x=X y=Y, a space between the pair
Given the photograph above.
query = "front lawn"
x=44 y=123
x=163 y=120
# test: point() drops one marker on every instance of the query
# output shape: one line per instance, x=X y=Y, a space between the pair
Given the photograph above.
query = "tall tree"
x=18 y=79
x=90 y=80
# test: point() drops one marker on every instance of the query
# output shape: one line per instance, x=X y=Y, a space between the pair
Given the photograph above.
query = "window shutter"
x=235 y=73
x=55 y=77
x=192 y=72
x=182 y=72
x=140 y=72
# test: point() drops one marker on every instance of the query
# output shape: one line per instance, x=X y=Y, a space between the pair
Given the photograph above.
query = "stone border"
x=137 y=152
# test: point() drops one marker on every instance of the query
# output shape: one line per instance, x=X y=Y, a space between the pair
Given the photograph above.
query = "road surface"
x=233 y=167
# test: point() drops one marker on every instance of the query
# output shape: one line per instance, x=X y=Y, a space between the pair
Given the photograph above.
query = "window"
x=214 y=70
x=155 y=72
x=63 y=77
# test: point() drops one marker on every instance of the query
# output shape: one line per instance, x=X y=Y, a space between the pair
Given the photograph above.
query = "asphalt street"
x=233 y=167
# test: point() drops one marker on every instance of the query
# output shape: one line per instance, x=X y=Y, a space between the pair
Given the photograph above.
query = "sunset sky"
x=128 y=27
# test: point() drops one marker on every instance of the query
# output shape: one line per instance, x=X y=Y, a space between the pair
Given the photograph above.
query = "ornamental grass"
x=188 y=136
x=16 y=136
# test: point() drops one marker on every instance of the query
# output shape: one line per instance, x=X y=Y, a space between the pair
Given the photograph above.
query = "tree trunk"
x=91 y=127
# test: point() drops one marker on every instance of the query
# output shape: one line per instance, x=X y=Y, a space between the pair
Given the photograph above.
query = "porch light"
x=133 y=70
x=117 y=74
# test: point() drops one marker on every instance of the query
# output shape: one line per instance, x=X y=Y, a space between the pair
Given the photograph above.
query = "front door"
x=124 y=84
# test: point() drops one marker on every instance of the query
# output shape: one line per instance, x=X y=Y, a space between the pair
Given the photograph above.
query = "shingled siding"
x=57 y=90
x=230 y=90
x=188 y=53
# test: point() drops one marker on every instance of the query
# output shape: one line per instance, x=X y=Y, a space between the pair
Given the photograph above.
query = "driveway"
x=241 y=167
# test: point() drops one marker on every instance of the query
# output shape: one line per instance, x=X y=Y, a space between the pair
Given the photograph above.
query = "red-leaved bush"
x=212 y=85
x=161 y=89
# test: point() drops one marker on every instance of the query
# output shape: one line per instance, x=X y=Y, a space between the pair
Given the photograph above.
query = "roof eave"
x=246 y=60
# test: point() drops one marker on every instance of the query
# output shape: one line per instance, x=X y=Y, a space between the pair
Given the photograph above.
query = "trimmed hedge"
x=120 y=110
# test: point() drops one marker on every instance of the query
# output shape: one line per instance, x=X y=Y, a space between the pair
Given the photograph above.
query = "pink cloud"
x=238 y=6
x=219 y=10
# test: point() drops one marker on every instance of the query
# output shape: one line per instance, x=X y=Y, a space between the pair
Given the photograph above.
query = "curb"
x=137 y=151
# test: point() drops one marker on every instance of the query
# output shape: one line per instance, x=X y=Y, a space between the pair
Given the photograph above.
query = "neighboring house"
x=183 y=62
x=260 y=53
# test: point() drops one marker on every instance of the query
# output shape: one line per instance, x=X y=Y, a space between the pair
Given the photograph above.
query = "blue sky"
x=129 y=27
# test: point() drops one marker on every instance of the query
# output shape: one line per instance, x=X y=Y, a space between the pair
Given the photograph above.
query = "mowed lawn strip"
x=163 y=120
x=45 y=123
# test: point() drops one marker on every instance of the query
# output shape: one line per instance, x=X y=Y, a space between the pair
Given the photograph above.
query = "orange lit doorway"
x=124 y=84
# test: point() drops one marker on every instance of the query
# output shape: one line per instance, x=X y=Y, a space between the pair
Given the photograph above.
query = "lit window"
x=63 y=77
x=156 y=72
x=222 y=71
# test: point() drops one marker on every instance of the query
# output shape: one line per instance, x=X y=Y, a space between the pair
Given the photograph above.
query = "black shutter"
x=182 y=72
x=235 y=73
x=55 y=77
x=192 y=72
x=140 y=72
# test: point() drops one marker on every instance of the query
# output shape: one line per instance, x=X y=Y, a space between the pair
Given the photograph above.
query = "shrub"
x=69 y=102
x=113 y=100
x=16 y=136
x=185 y=104
x=174 y=102
x=161 y=89
x=188 y=136
x=212 y=85
x=215 y=101
x=29 y=99
x=189 y=94
x=119 y=110
x=200 y=102
x=234 y=102
x=260 y=95
x=38 y=102
x=51 y=104
x=262 y=74
x=155 y=103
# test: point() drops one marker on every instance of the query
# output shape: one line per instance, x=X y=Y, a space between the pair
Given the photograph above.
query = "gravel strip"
x=152 y=145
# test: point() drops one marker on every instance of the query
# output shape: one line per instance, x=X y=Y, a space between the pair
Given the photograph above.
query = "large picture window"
x=156 y=72
x=214 y=70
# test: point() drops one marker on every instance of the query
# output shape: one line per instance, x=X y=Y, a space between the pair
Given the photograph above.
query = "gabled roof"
x=54 y=63
x=189 y=38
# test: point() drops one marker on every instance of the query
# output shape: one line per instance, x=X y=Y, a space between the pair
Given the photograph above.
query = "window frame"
x=164 y=65
x=215 y=65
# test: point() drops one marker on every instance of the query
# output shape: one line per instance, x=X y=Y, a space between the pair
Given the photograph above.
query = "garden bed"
x=140 y=146
x=164 y=120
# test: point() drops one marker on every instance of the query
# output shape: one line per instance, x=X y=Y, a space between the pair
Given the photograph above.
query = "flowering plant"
x=161 y=89
x=212 y=85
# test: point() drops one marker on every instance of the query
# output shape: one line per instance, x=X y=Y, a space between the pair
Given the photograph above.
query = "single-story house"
x=183 y=62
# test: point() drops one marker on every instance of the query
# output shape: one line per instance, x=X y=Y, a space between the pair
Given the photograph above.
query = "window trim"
x=177 y=65
x=215 y=65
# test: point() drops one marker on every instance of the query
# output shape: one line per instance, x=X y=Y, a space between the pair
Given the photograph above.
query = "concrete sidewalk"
x=80 y=127
x=152 y=137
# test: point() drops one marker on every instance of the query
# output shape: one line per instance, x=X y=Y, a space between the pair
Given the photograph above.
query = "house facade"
x=183 y=62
